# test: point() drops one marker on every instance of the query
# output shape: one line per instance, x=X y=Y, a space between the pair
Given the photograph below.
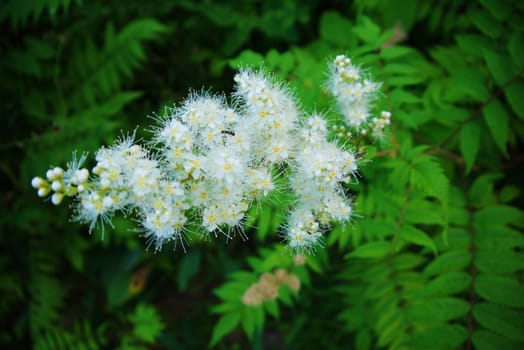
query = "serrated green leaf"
x=363 y=340
x=500 y=319
x=395 y=52
x=509 y=193
x=500 y=289
x=503 y=261
x=498 y=9
x=449 y=261
x=437 y=310
x=406 y=261
x=401 y=96
x=118 y=289
x=392 y=329
x=498 y=215
x=500 y=66
x=335 y=29
x=272 y=308
x=423 y=211
x=147 y=323
x=399 y=68
x=516 y=48
x=248 y=322
x=367 y=30
x=486 y=340
x=404 y=80
x=441 y=337
x=474 y=44
x=514 y=93
x=427 y=175
x=486 y=23
x=446 y=284
x=414 y=235
x=469 y=143
x=497 y=120
x=466 y=82
x=224 y=326
x=371 y=250
x=499 y=238
x=481 y=192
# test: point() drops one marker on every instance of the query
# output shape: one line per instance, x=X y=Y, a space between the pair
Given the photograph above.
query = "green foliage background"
x=434 y=259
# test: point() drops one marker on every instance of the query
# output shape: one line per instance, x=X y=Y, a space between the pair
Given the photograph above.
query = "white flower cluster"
x=354 y=95
x=209 y=163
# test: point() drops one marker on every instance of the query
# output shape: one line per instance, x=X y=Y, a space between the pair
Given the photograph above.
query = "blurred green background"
x=76 y=74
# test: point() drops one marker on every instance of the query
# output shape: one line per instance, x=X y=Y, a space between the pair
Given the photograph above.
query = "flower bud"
x=50 y=175
x=57 y=185
x=58 y=172
x=37 y=182
x=57 y=198
x=44 y=191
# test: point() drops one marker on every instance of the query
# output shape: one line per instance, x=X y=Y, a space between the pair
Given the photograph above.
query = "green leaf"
x=247 y=58
x=224 y=326
x=449 y=261
x=509 y=193
x=499 y=238
x=486 y=23
x=497 y=120
x=514 y=93
x=500 y=66
x=371 y=250
x=401 y=69
x=437 y=310
x=446 y=284
x=500 y=319
x=469 y=143
x=335 y=29
x=500 y=289
x=118 y=289
x=481 y=192
x=264 y=222
x=486 y=340
x=363 y=340
x=396 y=52
x=427 y=175
x=473 y=43
x=367 y=30
x=499 y=9
x=516 y=48
x=401 y=96
x=188 y=268
x=466 y=82
x=404 y=80
x=419 y=237
x=441 y=337
x=272 y=308
x=498 y=215
x=147 y=323
x=503 y=261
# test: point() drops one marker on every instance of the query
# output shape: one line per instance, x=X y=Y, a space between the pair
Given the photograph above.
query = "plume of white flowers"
x=208 y=163
x=354 y=94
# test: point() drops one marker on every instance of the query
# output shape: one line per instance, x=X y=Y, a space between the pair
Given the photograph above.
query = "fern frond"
x=20 y=12
x=97 y=73
x=81 y=338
